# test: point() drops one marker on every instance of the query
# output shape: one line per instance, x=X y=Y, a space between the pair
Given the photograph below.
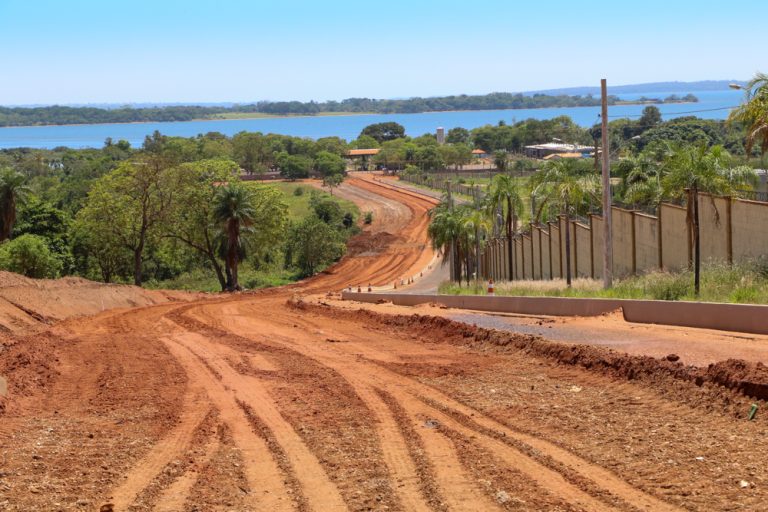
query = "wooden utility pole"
x=607 y=222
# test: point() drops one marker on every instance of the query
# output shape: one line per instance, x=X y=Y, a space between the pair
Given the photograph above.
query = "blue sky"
x=87 y=51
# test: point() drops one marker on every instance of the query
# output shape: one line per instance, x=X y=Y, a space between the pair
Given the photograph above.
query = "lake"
x=715 y=104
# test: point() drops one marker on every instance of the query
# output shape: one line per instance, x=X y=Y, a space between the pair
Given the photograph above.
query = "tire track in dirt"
x=315 y=485
x=610 y=486
x=266 y=480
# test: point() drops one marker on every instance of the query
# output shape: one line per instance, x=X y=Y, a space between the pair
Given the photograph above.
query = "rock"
x=744 y=484
x=107 y=507
x=502 y=497
x=431 y=424
x=672 y=357
x=575 y=389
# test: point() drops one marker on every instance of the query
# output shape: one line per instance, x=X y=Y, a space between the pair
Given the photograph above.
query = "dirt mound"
x=26 y=303
x=370 y=244
x=732 y=376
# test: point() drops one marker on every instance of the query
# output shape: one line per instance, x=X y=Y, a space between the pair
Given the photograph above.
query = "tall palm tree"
x=12 y=191
x=754 y=113
x=477 y=224
x=448 y=232
x=690 y=170
x=569 y=185
x=504 y=195
x=234 y=211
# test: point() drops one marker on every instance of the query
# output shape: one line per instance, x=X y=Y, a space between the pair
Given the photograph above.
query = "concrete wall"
x=714 y=225
x=731 y=231
x=583 y=250
x=728 y=317
x=750 y=229
x=623 y=242
x=646 y=242
x=674 y=237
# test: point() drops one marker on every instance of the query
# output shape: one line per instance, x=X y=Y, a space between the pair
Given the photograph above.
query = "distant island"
x=65 y=115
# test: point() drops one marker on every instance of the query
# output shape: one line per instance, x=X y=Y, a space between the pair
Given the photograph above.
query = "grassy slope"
x=745 y=283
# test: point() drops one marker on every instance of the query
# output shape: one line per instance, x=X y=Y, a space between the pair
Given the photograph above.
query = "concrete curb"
x=746 y=318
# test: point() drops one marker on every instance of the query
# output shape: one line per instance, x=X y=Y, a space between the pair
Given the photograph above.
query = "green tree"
x=384 y=131
x=332 y=181
x=314 y=244
x=753 y=113
x=234 y=211
x=458 y=135
x=131 y=203
x=450 y=233
x=327 y=163
x=294 y=167
x=29 y=255
x=501 y=160
x=12 y=191
x=504 y=198
x=569 y=185
x=191 y=219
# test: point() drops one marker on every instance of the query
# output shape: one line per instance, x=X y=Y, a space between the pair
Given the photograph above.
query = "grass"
x=298 y=205
x=205 y=280
x=745 y=283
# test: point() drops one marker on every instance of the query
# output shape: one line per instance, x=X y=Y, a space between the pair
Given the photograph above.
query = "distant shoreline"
x=240 y=116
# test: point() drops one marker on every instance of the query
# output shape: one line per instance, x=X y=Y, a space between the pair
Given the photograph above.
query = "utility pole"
x=607 y=222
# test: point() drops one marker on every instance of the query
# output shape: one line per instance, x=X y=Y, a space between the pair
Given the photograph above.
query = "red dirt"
x=246 y=402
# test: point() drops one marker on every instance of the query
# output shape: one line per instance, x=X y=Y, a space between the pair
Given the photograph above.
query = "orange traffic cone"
x=369 y=288
x=359 y=290
x=490 y=287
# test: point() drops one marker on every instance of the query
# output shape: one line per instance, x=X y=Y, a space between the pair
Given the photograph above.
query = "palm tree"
x=754 y=113
x=235 y=212
x=504 y=195
x=690 y=170
x=12 y=191
x=569 y=185
x=477 y=224
x=448 y=232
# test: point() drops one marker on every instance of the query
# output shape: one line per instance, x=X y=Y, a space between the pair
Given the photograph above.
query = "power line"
x=674 y=113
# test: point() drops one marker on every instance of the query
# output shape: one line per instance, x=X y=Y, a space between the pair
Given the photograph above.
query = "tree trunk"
x=510 y=239
x=696 y=241
x=137 y=259
x=567 y=247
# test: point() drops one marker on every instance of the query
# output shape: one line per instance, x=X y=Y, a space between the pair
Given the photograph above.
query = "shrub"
x=298 y=191
x=368 y=218
x=668 y=286
x=29 y=255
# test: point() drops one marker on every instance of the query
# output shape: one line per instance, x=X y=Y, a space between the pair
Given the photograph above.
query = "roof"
x=478 y=152
x=556 y=156
x=362 y=152
x=560 y=147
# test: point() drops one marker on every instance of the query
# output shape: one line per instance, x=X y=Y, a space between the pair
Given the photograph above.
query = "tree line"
x=63 y=115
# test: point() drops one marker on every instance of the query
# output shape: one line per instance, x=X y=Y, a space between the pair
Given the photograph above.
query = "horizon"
x=553 y=91
x=86 y=52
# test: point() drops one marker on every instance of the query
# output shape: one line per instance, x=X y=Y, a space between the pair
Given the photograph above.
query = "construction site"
x=300 y=398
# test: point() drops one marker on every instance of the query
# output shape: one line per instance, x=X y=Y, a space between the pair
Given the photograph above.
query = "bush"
x=368 y=217
x=668 y=286
x=29 y=255
x=298 y=191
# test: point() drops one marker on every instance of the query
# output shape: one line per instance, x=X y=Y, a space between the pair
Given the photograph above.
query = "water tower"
x=441 y=135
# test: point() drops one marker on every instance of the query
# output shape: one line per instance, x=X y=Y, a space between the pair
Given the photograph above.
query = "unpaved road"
x=264 y=401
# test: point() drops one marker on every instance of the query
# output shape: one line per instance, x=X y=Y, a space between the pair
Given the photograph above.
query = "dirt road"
x=267 y=401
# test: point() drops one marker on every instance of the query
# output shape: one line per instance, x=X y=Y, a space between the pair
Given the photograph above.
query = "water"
x=348 y=127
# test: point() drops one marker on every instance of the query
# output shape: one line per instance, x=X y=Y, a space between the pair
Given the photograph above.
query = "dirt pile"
x=27 y=303
x=720 y=381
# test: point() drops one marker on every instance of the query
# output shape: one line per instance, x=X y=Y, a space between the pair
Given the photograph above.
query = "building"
x=554 y=148
x=441 y=135
x=359 y=159
x=479 y=153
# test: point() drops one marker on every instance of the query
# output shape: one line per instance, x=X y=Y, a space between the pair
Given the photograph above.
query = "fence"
x=731 y=230
x=441 y=182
